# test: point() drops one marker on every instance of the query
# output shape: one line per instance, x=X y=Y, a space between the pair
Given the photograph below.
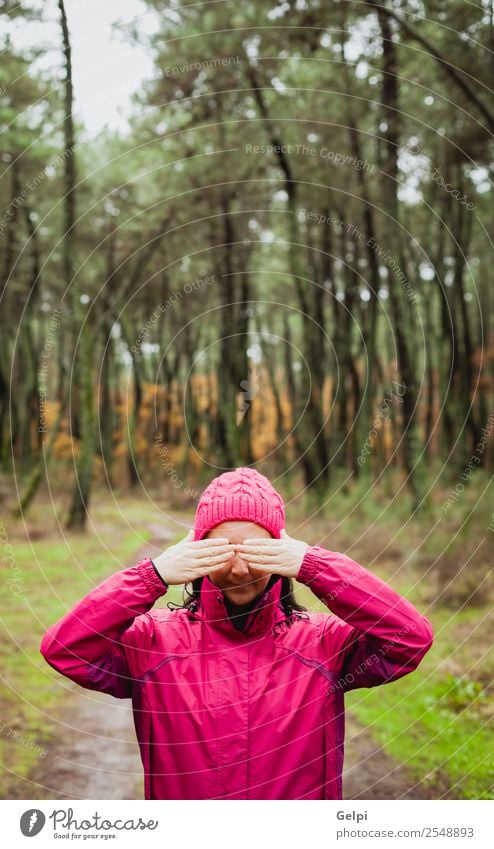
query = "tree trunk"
x=392 y=239
x=316 y=454
x=134 y=403
x=81 y=492
x=365 y=411
x=461 y=237
x=269 y=365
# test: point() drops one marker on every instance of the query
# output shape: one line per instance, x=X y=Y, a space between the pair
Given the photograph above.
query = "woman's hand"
x=281 y=556
x=188 y=560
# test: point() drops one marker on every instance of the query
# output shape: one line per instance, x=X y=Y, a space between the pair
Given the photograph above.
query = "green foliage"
x=461 y=693
x=438 y=724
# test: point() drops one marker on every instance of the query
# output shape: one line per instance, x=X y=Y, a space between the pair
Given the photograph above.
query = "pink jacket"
x=227 y=714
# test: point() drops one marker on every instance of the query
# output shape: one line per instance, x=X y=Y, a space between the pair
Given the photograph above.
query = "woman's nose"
x=239 y=567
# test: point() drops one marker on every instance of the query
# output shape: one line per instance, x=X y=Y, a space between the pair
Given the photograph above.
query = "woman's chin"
x=239 y=595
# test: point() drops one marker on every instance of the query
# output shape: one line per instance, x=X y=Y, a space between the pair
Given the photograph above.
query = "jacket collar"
x=261 y=618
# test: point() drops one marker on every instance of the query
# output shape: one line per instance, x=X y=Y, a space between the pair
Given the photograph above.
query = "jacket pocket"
x=158 y=666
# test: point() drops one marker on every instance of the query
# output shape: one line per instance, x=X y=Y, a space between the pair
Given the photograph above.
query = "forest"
x=327 y=181
x=281 y=258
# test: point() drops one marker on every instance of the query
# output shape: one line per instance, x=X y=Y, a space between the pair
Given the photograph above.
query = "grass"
x=438 y=722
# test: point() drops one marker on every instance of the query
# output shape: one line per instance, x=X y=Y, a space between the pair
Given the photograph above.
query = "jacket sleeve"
x=386 y=637
x=88 y=644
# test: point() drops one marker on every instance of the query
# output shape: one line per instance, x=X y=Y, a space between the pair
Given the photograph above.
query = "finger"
x=260 y=541
x=212 y=551
x=260 y=548
x=212 y=545
x=265 y=555
x=226 y=555
x=205 y=570
x=264 y=566
x=200 y=543
x=213 y=558
x=260 y=558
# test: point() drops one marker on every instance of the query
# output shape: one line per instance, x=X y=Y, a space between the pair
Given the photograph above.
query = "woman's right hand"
x=188 y=560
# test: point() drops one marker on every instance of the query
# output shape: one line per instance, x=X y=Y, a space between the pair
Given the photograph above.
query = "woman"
x=239 y=693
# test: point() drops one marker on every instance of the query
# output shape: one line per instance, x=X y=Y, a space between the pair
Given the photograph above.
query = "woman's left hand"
x=282 y=556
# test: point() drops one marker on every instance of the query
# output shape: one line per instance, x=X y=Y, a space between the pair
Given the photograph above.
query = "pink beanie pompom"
x=243 y=494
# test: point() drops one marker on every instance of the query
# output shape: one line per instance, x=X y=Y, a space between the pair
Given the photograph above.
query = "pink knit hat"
x=242 y=494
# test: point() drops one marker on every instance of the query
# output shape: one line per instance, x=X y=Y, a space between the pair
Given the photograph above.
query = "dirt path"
x=95 y=753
